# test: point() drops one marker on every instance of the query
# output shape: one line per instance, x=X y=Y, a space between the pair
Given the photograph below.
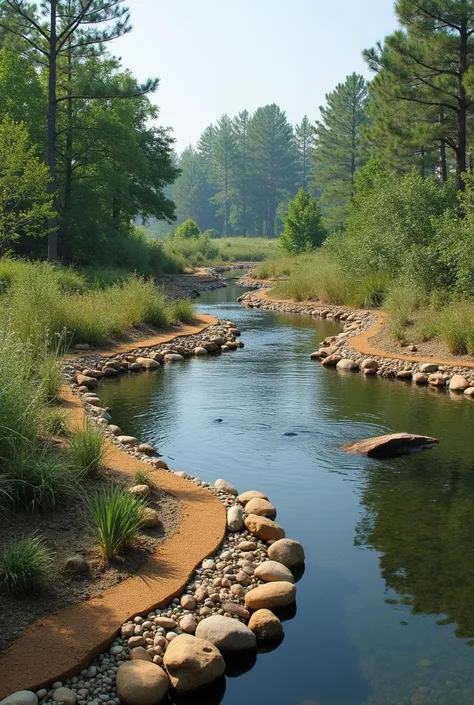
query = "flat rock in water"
x=391 y=445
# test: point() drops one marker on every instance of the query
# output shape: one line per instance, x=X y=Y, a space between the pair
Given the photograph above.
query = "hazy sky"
x=222 y=56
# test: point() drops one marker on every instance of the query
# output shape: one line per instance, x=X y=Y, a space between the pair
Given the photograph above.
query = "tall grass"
x=25 y=565
x=245 y=249
x=117 y=518
x=86 y=451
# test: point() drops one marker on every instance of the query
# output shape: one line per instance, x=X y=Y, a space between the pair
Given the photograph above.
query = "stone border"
x=353 y=345
x=249 y=537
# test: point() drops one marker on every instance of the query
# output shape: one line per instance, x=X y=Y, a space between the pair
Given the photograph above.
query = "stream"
x=385 y=609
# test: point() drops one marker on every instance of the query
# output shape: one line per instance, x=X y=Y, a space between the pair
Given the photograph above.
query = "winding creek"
x=385 y=612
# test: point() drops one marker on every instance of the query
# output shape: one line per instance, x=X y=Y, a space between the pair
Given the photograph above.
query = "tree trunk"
x=271 y=216
x=51 y=137
x=66 y=220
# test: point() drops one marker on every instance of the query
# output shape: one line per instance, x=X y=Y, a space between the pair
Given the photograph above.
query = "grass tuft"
x=117 y=517
x=86 y=451
x=142 y=477
x=25 y=565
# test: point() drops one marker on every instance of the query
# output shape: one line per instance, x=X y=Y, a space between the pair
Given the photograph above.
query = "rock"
x=188 y=624
x=347 y=364
x=272 y=571
x=141 y=683
x=188 y=602
x=201 y=352
x=235 y=518
x=77 y=565
x=437 y=379
x=150 y=517
x=165 y=622
x=140 y=654
x=391 y=445
x=116 y=430
x=331 y=360
x=429 y=367
x=228 y=635
x=148 y=363
x=247 y=546
x=159 y=464
x=238 y=610
x=244 y=498
x=21 y=697
x=78 y=346
x=270 y=595
x=469 y=392
x=420 y=378
x=65 y=695
x=142 y=491
x=98 y=374
x=109 y=372
x=225 y=487
x=261 y=507
x=263 y=528
x=173 y=357
x=458 y=383
x=211 y=347
x=404 y=374
x=317 y=355
x=369 y=366
x=135 y=641
x=83 y=381
x=127 y=440
x=265 y=625
x=147 y=449
x=192 y=663
x=287 y=551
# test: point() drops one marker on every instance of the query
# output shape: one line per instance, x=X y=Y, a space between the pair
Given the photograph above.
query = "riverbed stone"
x=270 y=595
x=139 y=653
x=188 y=602
x=141 y=491
x=236 y=609
x=83 y=381
x=127 y=440
x=150 y=517
x=148 y=363
x=428 y=368
x=458 y=383
x=165 y=622
x=261 y=507
x=245 y=497
x=65 y=695
x=188 y=624
x=192 y=663
x=272 y=571
x=76 y=565
x=265 y=625
x=116 y=430
x=347 y=364
x=420 y=378
x=332 y=360
x=404 y=374
x=173 y=357
x=287 y=551
x=369 y=366
x=437 y=379
x=226 y=487
x=469 y=392
x=201 y=352
x=391 y=445
x=235 y=518
x=141 y=683
x=147 y=449
x=263 y=528
x=228 y=635
x=21 y=697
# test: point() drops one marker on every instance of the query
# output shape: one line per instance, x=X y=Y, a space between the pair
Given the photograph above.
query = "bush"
x=53 y=422
x=182 y=311
x=192 y=251
x=303 y=224
x=25 y=565
x=189 y=229
x=37 y=480
x=142 y=477
x=86 y=451
x=117 y=517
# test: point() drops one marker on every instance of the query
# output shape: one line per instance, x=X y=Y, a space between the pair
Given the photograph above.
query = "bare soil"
x=434 y=349
x=67 y=531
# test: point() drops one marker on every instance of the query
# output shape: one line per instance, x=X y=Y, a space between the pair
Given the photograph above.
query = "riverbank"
x=61 y=646
x=360 y=339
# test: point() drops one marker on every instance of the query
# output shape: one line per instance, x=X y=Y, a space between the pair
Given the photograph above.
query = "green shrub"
x=25 y=565
x=37 y=480
x=182 y=311
x=456 y=327
x=142 y=477
x=117 y=519
x=188 y=230
x=50 y=376
x=303 y=228
x=53 y=422
x=86 y=451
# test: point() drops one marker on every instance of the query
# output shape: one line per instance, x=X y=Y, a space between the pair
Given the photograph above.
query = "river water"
x=385 y=609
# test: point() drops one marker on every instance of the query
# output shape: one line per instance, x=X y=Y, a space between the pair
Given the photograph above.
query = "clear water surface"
x=385 y=609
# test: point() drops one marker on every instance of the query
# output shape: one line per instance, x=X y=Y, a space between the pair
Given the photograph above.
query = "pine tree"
x=243 y=172
x=304 y=138
x=222 y=169
x=339 y=149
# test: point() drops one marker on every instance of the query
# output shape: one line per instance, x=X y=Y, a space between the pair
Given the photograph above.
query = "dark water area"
x=385 y=609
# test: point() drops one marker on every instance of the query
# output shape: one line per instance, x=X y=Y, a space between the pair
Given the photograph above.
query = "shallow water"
x=385 y=610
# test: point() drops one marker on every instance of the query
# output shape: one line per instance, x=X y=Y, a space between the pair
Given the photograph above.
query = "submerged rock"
x=391 y=445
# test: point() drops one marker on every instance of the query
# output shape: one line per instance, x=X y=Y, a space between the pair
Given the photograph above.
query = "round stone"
x=192 y=663
x=261 y=507
x=228 y=635
x=141 y=683
x=21 y=697
x=265 y=625
x=65 y=695
x=270 y=595
x=263 y=528
x=244 y=498
x=287 y=551
x=272 y=571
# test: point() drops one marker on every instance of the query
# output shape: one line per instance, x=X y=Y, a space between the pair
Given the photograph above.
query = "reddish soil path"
x=60 y=644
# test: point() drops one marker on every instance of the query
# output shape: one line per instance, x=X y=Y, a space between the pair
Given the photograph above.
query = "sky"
x=224 y=56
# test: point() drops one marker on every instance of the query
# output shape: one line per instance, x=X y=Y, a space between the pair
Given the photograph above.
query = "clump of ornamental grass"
x=86 y=451
x=142 y=477
x=53 y=422
x=117 y=517
x=181 y=311
x=25 y=565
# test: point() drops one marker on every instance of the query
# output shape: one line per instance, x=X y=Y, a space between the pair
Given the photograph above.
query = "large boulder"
x=273 y=572
x=420 y=378
x=245 y=497
x=173 y=357
x=228 y=635
x=347 y=364
x=391 y=445
x=261 y=507
x=147 y=363
x=192 y=663
x=270 y=596
x=286 y=551
x=89 y=382
x=265 y=625
x=263 y=528
x=429 y=367
x=458 y=383
x=369 y=366
x=141 y=683
x=235 y=518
